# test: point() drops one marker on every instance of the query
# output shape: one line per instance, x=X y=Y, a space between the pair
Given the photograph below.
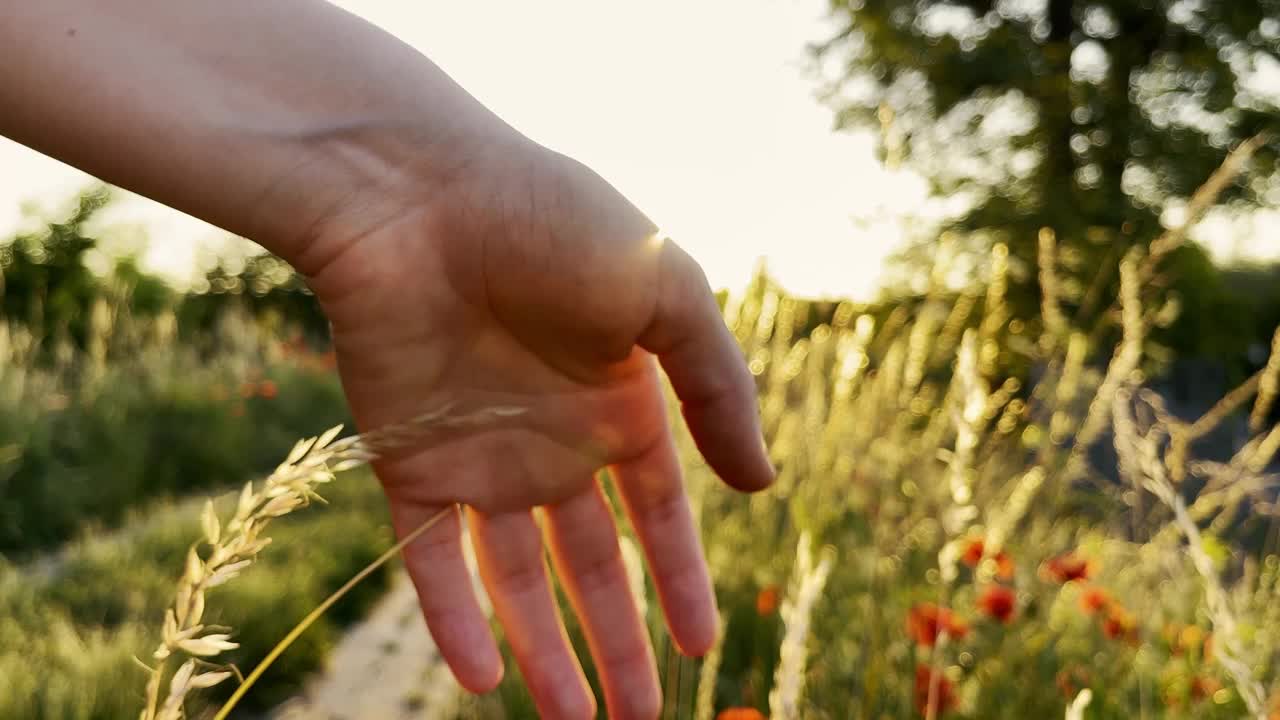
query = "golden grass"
x=899 y=447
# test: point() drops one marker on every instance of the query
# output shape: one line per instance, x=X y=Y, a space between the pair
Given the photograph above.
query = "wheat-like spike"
x=1140 y=459
x=996 y=310
x=1123 y=363
x=1206 y=423
x=1268 y=387
x=1075 y=711
x=793 y=656
x=235 y=545
x=1055 y=324
x=807 y=583
x=1203 y=199
x=1182 y=434
x=954 y=326
x=705 y=704
x=968 y=413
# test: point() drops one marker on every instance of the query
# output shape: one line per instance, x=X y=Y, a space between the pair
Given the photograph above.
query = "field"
x=971 y=521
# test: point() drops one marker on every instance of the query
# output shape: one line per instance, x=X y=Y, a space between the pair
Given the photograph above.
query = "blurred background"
x=1007 y=272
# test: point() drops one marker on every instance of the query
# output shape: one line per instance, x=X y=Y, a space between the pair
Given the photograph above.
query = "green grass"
x=82 y=444
x=68 y=628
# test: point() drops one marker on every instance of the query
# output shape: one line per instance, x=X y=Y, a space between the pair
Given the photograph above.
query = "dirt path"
x=385 y=667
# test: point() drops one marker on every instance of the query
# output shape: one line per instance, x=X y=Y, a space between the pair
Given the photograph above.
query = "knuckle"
x=519 y=578
x=665 y=514
x=600 y=570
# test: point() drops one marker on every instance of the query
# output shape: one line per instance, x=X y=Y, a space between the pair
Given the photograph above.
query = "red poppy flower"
x=1120 y=625
x=974 y=551
x=926 y=621
x=741 y=713
x=1071 y=680
x=998 y=602
x=1004 y=566
x=1204 y=687
x=1094 y=600
x=767 y=601
x=1067 y=568
x=944 y=694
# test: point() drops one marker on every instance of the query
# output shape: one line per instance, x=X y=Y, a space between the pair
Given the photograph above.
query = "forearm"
x=260 y=117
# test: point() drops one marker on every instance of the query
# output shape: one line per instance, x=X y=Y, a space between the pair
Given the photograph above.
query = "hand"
x=527 y=281
x=460 y=266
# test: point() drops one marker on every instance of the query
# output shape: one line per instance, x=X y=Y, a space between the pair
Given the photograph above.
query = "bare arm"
x=261 y=117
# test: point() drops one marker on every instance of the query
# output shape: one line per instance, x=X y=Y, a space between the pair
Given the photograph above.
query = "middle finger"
x=584 y=546
x=509 y=552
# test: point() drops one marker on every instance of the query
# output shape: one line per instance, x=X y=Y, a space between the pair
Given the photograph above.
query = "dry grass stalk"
x=954 y=327
x=920 y=341
x=793 y=656
x=1140 y=458
x=1183 y=434
x=971 y=411
x=996 y=312
x=1268 y=387
x=968 y=413
x=1203 y=199
x=633 y=561
x=1068 y=386
x=1006 y=517
x=1123 y=364
x=1075 y=711
x=705 y=704
x=233 y=546
x=1266 y=451
x=1222 y=409
x=225 y=711
x=1055 y=323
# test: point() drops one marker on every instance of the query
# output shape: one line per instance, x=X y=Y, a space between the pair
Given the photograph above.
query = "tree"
x=1089 y=117
x=46 y=286
x=263 y=286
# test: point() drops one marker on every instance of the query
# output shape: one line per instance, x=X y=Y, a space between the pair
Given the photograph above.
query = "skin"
x=459 y=263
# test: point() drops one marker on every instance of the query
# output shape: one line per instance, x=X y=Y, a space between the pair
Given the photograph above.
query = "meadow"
x=976 y=517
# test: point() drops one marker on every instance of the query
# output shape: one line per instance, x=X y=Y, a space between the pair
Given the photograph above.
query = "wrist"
x=356 y=177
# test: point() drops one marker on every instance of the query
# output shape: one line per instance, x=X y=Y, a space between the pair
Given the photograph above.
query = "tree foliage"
x=46 y=285
x=1090 y=117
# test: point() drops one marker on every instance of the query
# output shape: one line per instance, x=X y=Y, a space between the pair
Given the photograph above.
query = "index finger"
x=702 y=359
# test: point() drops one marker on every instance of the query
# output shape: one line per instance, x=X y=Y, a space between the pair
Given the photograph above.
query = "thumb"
x=702 y=359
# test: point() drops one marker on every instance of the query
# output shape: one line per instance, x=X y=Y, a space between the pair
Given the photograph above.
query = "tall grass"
x=975 y=517
x=71 y=628
x=1045 y=544
x=140 y=416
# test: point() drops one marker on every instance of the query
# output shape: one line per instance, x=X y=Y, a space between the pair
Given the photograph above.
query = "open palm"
x=530 y=283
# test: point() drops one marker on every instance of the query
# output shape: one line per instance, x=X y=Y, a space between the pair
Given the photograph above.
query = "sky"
x=700 y=112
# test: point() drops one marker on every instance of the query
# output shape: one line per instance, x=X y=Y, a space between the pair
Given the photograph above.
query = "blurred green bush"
x=71 y=624
x=116 y=389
